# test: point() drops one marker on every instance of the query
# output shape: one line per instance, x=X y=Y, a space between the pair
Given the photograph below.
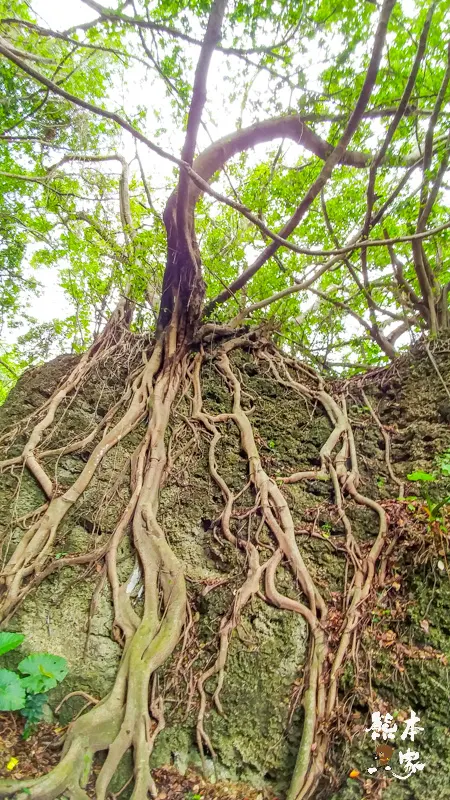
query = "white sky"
x=62 y=14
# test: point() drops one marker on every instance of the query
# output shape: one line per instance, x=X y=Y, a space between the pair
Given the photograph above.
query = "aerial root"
x=339 y=466
x=35 y=545
x=125 y=719
x=121 y=720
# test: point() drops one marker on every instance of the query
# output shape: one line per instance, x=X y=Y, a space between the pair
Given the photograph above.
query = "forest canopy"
x=321 y=202
x=232 y=219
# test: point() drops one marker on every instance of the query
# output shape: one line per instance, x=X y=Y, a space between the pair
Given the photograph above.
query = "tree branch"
x=23 y=53
x=214 y=157
x=298 y=287
x=331 y=161
x=403 y=104
x=78 y=101
x=282 y=242
x=425 y=276
x=212 y=37
x=141 y=22
x=63 y=37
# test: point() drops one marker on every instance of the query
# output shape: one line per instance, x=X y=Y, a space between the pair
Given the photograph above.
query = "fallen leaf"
x=425 y=625
x=388 y=638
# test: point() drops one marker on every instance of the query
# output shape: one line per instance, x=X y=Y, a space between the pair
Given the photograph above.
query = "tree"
x=358 y=222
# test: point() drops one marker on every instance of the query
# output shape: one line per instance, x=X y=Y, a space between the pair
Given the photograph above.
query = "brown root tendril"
x=131 y=715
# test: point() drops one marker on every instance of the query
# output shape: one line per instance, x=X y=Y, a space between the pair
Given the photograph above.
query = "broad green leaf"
x=12 y=693
x=420 y=476
x=9 y=641
x=43 y=671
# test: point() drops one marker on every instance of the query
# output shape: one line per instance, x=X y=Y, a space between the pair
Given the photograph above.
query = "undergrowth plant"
x=26 y=690
x=434 y=508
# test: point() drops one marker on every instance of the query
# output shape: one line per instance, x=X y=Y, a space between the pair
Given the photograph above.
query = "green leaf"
x=420 y=476
x=43 y=671
x=12 y=693
x=33 y=709
x=9 y=641
x=435 y=509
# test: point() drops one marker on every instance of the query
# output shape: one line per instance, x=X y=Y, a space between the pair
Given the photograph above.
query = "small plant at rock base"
x=433 y=508
x=27 y=692
x=420 y=476
x=443 y=462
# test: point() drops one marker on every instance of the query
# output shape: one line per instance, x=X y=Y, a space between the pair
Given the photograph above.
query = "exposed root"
x=30 y=555
x=122 y=719
x=126 y=719
x=387 y=445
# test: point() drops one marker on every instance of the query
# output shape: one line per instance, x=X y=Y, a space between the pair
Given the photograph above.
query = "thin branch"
x=427 y=279
x=331 y=161
x=426 y=211
x=146 y=188
x=104 y=233
x=281 y=242
x=140 y=22
x=78 y=101
x=9 y=369
x=298 y=287
x=24 y=54
x=402 y=106
x=63 y=37
x=211 y=158
x=374 y=113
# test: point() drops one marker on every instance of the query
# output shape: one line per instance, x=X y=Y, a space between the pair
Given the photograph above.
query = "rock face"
x=256 y=738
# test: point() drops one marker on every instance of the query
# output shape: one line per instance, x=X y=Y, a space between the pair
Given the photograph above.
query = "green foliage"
x=443 y=462
x=306 y=58
x=12 y=692
x=28 y=694
x=43 y=672
x=435 y=509
x=33 y=711
x=421 y=476
x=9 y=641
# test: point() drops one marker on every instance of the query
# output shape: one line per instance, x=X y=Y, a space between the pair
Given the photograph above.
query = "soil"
x=41 y=751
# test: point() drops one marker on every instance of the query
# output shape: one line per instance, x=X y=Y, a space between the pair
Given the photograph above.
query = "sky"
x=62 y=14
